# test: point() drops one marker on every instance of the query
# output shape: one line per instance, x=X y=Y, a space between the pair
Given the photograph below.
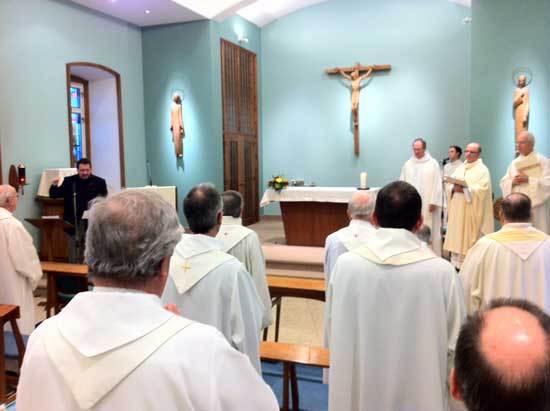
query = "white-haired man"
x=244 y=244
x=209 y=285
x=360 y=209
x=20 y=268
x=529 y=174
x=423 y=172
x=116 y=347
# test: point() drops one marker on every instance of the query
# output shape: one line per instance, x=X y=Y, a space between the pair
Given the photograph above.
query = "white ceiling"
x=262 y=12
x=90 y=73
x=133 y=11
x=156 y=12
x=465 y=3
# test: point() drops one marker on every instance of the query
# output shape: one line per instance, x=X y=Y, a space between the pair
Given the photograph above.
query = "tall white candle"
x=363 y=178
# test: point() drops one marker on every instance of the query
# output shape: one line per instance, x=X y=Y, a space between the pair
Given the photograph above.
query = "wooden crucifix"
x=354 y=76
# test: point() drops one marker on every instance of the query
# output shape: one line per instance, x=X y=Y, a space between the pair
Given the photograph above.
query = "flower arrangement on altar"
x=277 y=183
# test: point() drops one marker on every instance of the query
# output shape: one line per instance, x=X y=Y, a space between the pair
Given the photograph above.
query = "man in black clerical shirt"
x=84 y=186
x=80 y=188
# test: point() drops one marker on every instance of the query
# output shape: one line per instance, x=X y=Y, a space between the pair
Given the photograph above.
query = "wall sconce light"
x=18 y=177
x=243 y=40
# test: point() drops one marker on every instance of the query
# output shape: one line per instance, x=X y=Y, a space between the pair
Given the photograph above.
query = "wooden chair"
x=12 y=346
x=290 y=355
x=55 y=270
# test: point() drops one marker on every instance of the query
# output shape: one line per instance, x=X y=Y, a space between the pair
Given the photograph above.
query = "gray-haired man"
x=116 y=348
x=209 y=285
x=360 y=208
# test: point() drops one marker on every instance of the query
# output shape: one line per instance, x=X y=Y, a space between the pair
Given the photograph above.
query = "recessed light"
x=147 y=11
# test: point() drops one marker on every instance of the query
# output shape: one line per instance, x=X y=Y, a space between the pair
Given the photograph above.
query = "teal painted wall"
x=187 y=57
x=507 y=34
x=37 y=39
x=306 y=114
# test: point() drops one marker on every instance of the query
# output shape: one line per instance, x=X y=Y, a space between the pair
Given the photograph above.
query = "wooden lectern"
x=47 y=226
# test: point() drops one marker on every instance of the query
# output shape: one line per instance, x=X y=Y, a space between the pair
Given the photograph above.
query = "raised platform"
x=287 y=260
x=296 y=261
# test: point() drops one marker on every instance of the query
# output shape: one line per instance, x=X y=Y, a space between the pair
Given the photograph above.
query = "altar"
x=310 y=214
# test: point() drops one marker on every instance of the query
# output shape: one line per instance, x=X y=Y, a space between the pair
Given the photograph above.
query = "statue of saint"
x=356 y=81
x=176 y=124
x=521 y=105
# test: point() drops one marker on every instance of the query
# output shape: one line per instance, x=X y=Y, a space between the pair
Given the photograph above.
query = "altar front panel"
x=310 y=214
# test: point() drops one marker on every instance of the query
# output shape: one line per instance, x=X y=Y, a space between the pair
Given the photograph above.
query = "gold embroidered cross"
x=186 y=267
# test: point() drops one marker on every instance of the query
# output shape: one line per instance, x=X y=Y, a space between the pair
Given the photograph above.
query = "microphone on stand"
x=78 y=234
x=445 y=160
x=149 y=173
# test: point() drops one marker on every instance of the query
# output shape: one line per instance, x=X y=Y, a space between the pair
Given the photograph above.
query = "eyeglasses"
x=472 y=152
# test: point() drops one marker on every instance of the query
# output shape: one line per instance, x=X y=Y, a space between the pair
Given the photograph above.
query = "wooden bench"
x=312 y=288
x=52 y=270
x=290 y=355
x=9 y=313
x=279 y=287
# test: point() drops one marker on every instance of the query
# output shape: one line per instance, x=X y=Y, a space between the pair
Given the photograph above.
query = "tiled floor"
x=301 y=319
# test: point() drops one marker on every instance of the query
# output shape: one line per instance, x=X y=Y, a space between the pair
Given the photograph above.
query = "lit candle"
x=363 y=178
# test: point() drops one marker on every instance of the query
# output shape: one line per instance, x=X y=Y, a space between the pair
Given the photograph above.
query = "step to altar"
x=294 y=261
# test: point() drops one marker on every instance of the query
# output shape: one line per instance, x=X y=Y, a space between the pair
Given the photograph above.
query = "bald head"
x=516 y=208
x=514 y=344
x=8 y=197
x=502 y=358
x=361 y=206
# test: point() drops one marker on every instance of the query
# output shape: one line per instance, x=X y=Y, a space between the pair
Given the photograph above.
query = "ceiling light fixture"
x=243 y=40
x=147 y=11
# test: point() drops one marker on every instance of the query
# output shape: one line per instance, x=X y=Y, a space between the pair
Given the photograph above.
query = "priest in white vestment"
x=454 y=153
x=423 y=172
x=394 y=314
x=360 y=209
x=529 y=174
x=20 y=268
x=116 y=347
x=513 y=262
x=209 y=285
x=470 y=207
x=244 y=244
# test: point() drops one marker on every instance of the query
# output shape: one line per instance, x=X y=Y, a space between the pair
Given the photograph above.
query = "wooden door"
x=240 y=126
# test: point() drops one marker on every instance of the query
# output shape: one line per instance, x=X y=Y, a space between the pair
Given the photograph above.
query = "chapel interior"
x=98 y=79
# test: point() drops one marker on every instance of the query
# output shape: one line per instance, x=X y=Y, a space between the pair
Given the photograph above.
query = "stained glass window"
x=78 y=119
x=77 y=135
x=75 y=97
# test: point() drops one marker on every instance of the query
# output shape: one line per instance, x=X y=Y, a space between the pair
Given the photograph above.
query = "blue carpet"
x=313 y=393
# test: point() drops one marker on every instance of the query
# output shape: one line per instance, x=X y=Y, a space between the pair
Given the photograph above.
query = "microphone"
x=149 y=173
x=445 y=160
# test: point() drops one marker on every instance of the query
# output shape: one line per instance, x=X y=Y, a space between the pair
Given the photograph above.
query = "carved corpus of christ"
x=354 y=76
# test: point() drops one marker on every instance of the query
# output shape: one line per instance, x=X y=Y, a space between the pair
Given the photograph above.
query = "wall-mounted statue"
x=522 y=78
x=176 y=124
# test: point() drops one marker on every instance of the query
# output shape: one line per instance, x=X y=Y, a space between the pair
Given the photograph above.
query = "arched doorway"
x=94 y=105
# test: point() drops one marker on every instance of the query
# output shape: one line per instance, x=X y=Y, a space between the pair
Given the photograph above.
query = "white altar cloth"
x=48 y=175
x=317 y=194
